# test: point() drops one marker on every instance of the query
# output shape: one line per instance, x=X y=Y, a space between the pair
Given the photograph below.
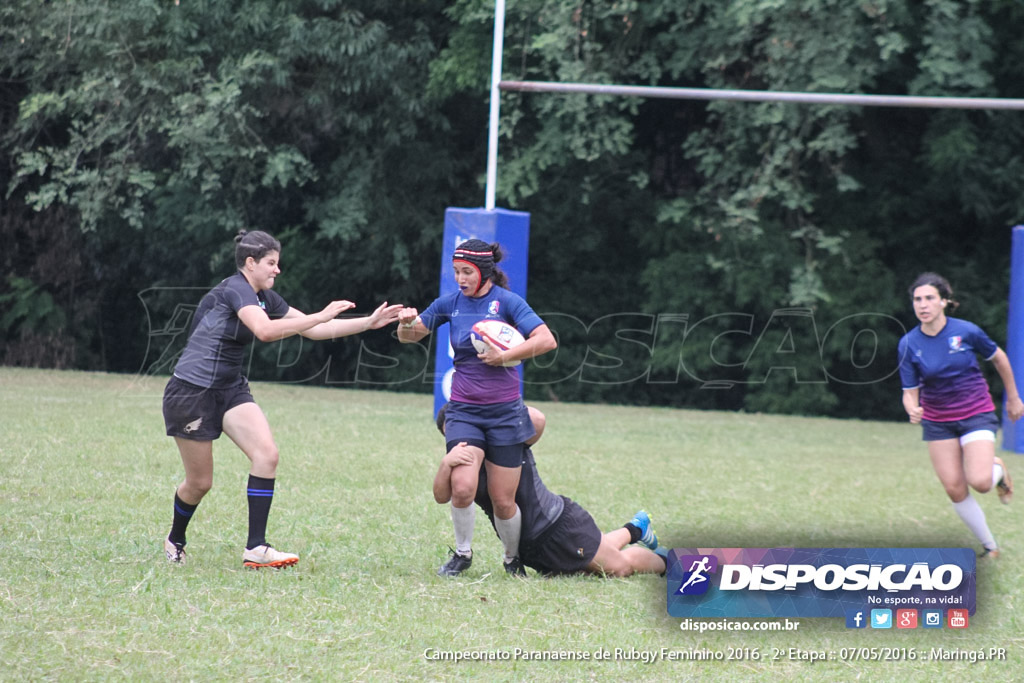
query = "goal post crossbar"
x=766 y=96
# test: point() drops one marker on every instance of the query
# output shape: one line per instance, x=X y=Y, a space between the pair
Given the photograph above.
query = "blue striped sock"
x=182 y=516
x=260 y=494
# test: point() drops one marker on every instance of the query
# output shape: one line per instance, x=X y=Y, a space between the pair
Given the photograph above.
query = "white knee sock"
x=463 y=519
x=974 y=517
x=997 y=474
x=508 y=531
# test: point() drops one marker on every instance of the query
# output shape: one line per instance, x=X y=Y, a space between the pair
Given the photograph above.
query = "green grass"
x=87 y=477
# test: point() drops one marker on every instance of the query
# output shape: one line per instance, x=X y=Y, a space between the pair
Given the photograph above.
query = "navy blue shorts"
x=497 y=425
x=938 y=431
x=505 y=456
x=197 y=413
x=567 y=547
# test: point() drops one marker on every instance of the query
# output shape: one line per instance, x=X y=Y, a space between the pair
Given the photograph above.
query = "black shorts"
x=197 y=413
x=567 y=547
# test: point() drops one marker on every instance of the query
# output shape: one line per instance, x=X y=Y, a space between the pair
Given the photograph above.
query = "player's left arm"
x=539 y=342
x=459 y=455
x=344 y=327
x=1014 y=406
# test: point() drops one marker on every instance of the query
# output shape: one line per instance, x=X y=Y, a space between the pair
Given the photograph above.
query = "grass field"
x=85 y=501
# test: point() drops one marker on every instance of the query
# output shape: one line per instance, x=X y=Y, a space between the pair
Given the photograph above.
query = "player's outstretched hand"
x=384 y=315
x=335 y=308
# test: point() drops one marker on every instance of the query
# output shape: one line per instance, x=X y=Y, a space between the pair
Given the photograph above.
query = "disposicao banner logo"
x=817 y=582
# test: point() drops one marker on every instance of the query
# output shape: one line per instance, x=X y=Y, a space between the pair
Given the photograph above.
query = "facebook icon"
x=855 y=618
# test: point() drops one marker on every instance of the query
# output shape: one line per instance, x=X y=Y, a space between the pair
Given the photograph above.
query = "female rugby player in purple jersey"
x=486 y=411
x=944 y=391
x=208 y=394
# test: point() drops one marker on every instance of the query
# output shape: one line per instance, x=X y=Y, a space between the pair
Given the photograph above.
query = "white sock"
x=508 y=531
x=997 y=474
x=463 y=519
x=974 y=517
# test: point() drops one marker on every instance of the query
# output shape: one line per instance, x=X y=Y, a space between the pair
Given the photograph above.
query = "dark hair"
x=255 y=243
x=439 y=421
x=941 y=285
x=498 y=276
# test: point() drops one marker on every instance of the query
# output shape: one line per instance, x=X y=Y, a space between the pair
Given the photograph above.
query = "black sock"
x=182 y=516
x=634 y=532
x=260 y=495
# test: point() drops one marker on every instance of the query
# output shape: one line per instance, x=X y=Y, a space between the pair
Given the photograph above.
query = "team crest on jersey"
x=493 y=308
x=956 y=344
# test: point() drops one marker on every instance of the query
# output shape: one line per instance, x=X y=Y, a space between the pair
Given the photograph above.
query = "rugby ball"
x=500 y=334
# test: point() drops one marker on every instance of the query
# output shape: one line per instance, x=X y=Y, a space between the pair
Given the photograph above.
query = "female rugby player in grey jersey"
x=208 y=394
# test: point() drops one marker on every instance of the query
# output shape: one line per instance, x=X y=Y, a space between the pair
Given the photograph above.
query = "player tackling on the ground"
x=558 y=535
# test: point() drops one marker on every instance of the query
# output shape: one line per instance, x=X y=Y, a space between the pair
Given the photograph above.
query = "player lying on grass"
x=558 y=536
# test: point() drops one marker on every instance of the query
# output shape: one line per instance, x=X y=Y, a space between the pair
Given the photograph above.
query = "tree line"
x=716 y=254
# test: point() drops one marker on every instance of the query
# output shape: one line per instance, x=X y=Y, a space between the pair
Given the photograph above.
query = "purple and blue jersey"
x=215 y=350
x=475 y=381
x=945 y=369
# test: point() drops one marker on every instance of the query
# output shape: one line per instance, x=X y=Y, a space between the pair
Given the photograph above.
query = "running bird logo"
x=956 y=344
x=695 y=580
x=492 y=309
x=193 y=425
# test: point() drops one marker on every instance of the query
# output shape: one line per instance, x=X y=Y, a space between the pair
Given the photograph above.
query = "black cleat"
x=455 y=565
x=515 y=567
x=1005 y=486
x=989 y=554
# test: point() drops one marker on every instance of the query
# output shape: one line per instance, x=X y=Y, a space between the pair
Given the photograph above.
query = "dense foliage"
x=719 y=255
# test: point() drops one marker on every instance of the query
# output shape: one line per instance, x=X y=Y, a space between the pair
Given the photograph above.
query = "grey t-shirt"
x=216 y=343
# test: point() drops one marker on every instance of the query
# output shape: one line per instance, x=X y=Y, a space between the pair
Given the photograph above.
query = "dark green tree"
x=745 y=219
x=159 y=129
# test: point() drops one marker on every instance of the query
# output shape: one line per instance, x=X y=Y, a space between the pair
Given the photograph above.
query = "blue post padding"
x=1013 y=432
x=511 y=229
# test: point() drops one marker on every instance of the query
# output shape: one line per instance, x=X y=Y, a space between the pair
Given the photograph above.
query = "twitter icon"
x=881 y=618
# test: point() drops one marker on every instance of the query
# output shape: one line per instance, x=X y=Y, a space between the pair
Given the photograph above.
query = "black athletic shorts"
x=567 y=547
x=197 y=413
